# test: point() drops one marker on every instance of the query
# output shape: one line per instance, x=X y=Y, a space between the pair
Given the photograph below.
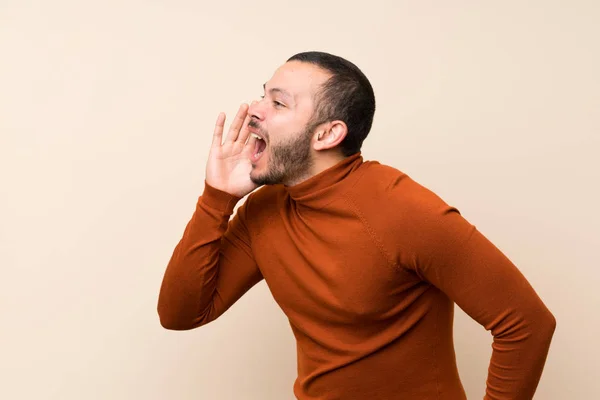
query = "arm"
x=454 y=256
x=211 y=267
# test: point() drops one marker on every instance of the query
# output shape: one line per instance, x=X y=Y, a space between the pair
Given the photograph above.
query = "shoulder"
x=393 y=189
x=394 y=203
x=407 y=217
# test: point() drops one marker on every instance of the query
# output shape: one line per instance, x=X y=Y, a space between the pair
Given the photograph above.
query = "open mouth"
x=259 y=147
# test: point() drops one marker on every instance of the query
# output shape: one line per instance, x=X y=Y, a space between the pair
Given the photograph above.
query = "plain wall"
x=106 y=116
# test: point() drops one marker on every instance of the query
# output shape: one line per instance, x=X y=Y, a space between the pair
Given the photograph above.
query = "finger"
x=237 y=123
x=249 y=147
x=244 y=132
x=218 y=132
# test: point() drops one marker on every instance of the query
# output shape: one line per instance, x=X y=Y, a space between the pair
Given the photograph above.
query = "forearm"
x=520 y=348
x=190 y=279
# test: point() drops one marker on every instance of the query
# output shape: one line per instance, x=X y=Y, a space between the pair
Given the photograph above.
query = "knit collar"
x=324 y=187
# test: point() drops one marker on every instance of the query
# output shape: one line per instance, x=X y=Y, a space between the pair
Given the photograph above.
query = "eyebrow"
x=279 y=90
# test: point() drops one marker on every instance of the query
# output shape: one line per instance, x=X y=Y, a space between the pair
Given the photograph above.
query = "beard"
x=288 y=161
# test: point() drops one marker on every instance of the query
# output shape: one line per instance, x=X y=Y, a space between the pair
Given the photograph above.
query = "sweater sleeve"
x=454 y=256
x=211 y=267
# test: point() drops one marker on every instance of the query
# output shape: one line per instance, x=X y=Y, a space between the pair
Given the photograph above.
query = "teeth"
x=256 y=136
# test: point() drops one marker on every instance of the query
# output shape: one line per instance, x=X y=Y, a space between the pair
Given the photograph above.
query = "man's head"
x=314 y=104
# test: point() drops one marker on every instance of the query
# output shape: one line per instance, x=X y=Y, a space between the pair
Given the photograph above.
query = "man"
x=366 y=263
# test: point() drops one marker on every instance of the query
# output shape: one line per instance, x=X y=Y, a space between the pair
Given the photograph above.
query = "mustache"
x=254 y=124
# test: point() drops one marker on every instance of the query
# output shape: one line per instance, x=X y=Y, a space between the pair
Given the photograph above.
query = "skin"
x=296 y=148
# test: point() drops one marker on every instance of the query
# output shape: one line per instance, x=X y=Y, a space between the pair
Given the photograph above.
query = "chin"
x=257 y=176
x=254 y=176
x=265 y=177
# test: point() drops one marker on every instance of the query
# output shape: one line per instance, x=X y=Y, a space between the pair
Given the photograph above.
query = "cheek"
x=283 y=125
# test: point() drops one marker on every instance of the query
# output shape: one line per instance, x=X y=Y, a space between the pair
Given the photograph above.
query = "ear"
x=330 y=135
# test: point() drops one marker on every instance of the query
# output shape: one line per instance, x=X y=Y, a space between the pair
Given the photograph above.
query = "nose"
x=256 y=110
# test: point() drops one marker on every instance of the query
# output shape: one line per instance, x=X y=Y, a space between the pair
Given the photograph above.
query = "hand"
x=229 y=166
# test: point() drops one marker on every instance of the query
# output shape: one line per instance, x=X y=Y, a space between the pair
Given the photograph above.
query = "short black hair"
x=347 y=96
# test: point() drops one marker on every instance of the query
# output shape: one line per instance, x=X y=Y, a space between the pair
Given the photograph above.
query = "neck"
x=320 y=162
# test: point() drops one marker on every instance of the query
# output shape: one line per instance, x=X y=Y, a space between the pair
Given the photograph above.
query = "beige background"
x=106 y=114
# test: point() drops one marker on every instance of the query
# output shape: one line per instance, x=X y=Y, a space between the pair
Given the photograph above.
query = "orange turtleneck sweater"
x=367 y=265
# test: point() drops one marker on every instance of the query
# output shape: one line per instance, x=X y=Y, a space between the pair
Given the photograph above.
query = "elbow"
x=542 y=327
x=179 y=321
x=172 y=321
x=173 y=324
x=548 y=323
x=535 y=324
x=543 y=331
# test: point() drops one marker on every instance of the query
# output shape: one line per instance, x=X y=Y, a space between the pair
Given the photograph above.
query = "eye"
x=275 y=102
